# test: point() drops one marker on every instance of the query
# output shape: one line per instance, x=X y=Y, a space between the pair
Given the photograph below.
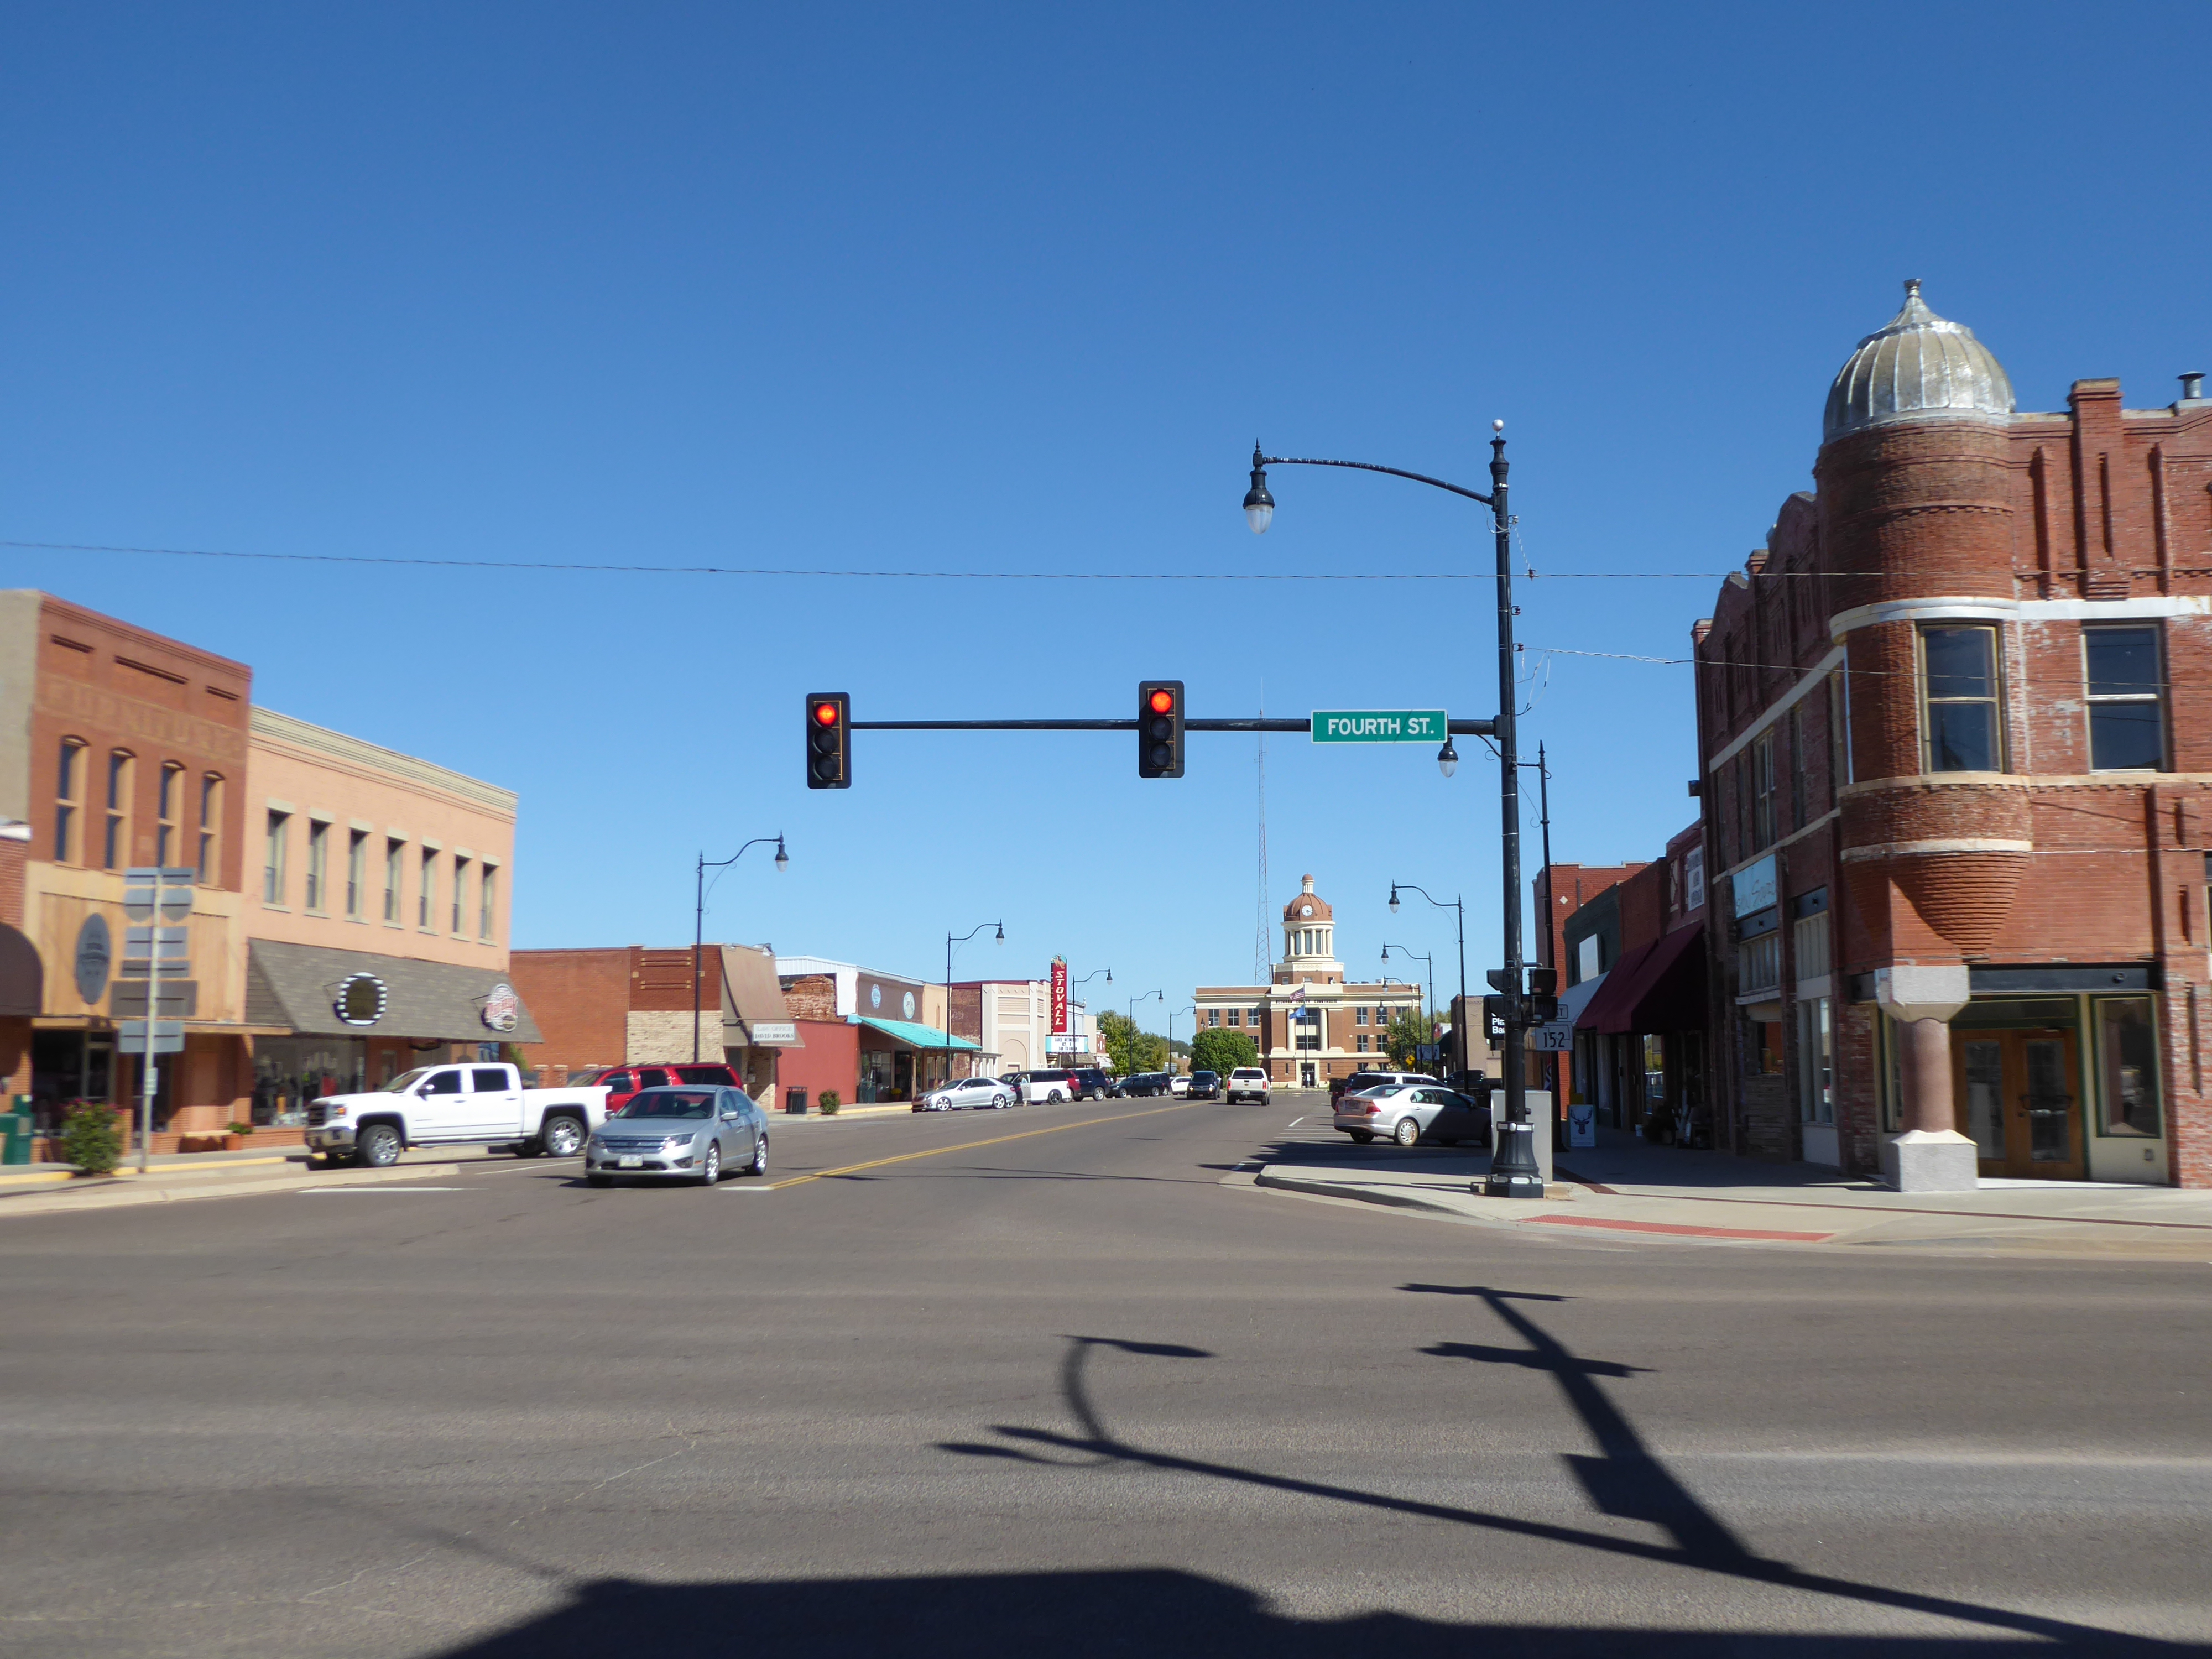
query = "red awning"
x=1659 y=987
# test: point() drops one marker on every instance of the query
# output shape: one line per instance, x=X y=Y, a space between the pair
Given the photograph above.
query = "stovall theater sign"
x=1379 y=725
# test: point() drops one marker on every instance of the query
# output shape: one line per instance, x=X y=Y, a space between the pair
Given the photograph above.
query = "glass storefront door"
x=2018 y=1098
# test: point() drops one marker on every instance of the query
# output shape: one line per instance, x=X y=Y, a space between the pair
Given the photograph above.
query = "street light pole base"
x=1514 y=1172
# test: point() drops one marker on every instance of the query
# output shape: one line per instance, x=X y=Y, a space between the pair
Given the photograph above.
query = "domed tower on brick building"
x=1309 y=939
x=1955 y=731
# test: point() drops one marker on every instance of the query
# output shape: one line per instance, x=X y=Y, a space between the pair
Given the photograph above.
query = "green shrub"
x=828 y=1102
x=238 y=1128
x=91 y=1141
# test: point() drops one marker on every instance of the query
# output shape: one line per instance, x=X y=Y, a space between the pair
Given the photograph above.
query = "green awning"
x=920 y=1036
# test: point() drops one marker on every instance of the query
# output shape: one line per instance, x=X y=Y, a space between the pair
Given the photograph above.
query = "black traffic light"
x=1543 y=996
x=828 y=741
x=1159 y=728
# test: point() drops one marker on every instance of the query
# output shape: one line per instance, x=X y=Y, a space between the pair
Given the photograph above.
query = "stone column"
x=1931 y=1156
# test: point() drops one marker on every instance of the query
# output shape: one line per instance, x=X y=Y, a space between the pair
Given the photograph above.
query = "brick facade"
x=2056 y=884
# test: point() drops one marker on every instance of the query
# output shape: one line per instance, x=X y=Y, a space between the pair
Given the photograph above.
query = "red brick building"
x=1560 y=891
x=1955 y=733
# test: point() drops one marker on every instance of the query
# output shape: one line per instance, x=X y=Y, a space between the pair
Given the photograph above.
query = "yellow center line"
x=966 y=1145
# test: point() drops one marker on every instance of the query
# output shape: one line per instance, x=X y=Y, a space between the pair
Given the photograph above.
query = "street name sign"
x=1379 y=725
x=130 y=1036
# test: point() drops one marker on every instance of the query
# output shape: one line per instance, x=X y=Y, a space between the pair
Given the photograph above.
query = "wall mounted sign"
x=1060 y=993
x=361 y=999
x=773 y=1033
x=1754 y=886
x=502 y=1009
x=875 y=996
x=908 y=1006
x=94 y=951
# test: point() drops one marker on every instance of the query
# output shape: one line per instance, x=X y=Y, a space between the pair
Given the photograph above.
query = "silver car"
x=979 y=1094
x=1411 y=1112
x=696 y=1133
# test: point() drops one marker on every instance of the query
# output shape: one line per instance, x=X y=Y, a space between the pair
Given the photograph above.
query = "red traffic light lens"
x=825 y=714
x=1163 y=701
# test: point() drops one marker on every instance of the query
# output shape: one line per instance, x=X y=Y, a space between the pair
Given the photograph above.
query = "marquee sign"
x=1060 y=993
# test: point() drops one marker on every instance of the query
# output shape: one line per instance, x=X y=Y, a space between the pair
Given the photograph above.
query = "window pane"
x=2127 y=1060
x=1962 y=737
x=2123 y=661
x=1961 y=662
x=2125 y=736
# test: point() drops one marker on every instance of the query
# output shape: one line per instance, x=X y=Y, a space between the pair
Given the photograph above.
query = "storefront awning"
x=22 y=977
x=298 y=988
x=916 y=1036
x=1660 y=987
x=754 y=1012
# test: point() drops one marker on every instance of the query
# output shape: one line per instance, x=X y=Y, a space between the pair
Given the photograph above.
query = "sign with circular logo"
x=502 y=1009
x=875 y=996
x=909 y=1005
x=362 y=1000
x=94 y=950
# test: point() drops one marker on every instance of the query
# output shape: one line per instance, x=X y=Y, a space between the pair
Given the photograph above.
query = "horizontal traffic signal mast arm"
x=1458 y=728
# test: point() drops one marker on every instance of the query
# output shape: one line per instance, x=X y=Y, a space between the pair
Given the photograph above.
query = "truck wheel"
x=710 y=1167
x=560 y=1136
x=377 y=1147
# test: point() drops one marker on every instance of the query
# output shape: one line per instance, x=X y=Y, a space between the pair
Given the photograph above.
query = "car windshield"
x=1209 y=1076
x=670 y=1102
x=406 y=1080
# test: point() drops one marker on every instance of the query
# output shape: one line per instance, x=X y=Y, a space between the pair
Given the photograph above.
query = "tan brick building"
x=1956 y=729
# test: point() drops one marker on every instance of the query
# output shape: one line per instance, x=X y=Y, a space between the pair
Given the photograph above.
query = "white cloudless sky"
x=1015 y=288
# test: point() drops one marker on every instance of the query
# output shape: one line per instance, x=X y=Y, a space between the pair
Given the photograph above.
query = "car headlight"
x=338 y=1111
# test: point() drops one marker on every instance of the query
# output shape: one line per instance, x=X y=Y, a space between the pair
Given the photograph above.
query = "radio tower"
x=1263 y=953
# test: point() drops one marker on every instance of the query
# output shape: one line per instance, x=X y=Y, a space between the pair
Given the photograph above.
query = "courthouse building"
x=1310 y=1024
x=1955 y=737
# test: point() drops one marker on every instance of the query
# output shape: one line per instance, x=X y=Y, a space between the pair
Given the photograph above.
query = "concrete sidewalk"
x=1628 y=1191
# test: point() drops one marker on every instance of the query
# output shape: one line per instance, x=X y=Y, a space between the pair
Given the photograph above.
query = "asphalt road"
x=1040 y=1382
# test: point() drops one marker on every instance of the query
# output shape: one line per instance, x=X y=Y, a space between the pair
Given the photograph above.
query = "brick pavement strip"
x=110 y=1193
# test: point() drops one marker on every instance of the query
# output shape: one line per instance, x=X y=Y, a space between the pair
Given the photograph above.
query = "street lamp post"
x=1417 y=957
x=1513 y=1170
x=1085 y=981
x=1459 y=907
x=949 y=943
x=1192 y=1011
x=1133 y=1001
x=699 y=912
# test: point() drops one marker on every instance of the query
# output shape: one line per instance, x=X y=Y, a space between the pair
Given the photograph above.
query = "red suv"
x=621 y=1082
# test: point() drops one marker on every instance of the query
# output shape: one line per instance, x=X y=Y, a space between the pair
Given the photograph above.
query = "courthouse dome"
x=1307 y=907
x=1916 y=366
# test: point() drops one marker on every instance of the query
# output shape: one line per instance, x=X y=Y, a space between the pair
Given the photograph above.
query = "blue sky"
x=1015 y=288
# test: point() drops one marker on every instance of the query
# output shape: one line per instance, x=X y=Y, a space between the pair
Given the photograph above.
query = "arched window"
x=169 y=832
x=69 y=803
x=115 y=845
x=210 y=851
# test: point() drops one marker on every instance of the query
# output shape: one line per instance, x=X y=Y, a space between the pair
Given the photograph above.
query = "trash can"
x=794 y=1101
x=16 y=1132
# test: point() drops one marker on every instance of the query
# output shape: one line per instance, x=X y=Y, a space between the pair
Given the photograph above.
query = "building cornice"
x=268 y=725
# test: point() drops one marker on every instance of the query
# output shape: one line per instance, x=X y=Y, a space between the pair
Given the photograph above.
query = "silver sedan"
x=1408 y=1113
x=696 y=1134
x=979 y=1094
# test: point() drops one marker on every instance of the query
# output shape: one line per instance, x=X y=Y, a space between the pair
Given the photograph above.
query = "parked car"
x=1204 y=1085
x=976 y=1094
x=478 y=1105
x=1407 y=1113
x=1248 y=1082
x=1096 y=1084
x=1179 y=1084
x=1053 y=1085
x=621 y=1082
x=680 y=1134
x=1147 y=1083
x=1354 y=1082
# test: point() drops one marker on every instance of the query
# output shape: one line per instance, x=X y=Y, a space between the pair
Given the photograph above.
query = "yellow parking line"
x=966 y=1145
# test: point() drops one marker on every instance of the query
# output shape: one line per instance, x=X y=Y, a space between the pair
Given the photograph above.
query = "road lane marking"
x=308 y=1192
x=965 y=1146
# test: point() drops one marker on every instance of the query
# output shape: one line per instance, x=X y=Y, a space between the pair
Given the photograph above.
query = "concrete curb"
x=106 y=1197
x=51 y=1174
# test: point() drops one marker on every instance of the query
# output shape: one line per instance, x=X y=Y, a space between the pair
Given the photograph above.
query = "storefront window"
x=1654 y=1074
x=2127 y=1068
x=289 y=1072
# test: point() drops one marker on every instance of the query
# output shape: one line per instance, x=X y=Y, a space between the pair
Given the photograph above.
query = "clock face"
x=1306 y=909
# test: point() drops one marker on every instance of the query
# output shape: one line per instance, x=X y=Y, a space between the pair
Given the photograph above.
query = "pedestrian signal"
x=828 y=741
x=1159 y=728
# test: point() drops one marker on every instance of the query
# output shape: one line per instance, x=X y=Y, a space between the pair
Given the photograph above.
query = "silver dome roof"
x=1916 y=366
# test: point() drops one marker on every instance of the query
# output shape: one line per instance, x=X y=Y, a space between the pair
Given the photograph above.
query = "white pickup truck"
x=455 y=1104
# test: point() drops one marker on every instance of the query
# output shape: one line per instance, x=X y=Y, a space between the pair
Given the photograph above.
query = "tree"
x=1216 y=1051
x=1131 y=1049
x=1407 y=1031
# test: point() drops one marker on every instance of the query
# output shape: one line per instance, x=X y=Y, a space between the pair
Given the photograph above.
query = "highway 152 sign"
x=1379 y=725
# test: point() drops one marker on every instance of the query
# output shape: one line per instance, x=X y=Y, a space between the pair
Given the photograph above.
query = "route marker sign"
x=1379 y=725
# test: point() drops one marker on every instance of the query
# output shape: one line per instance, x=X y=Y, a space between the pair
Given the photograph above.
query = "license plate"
x=630 y=1163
